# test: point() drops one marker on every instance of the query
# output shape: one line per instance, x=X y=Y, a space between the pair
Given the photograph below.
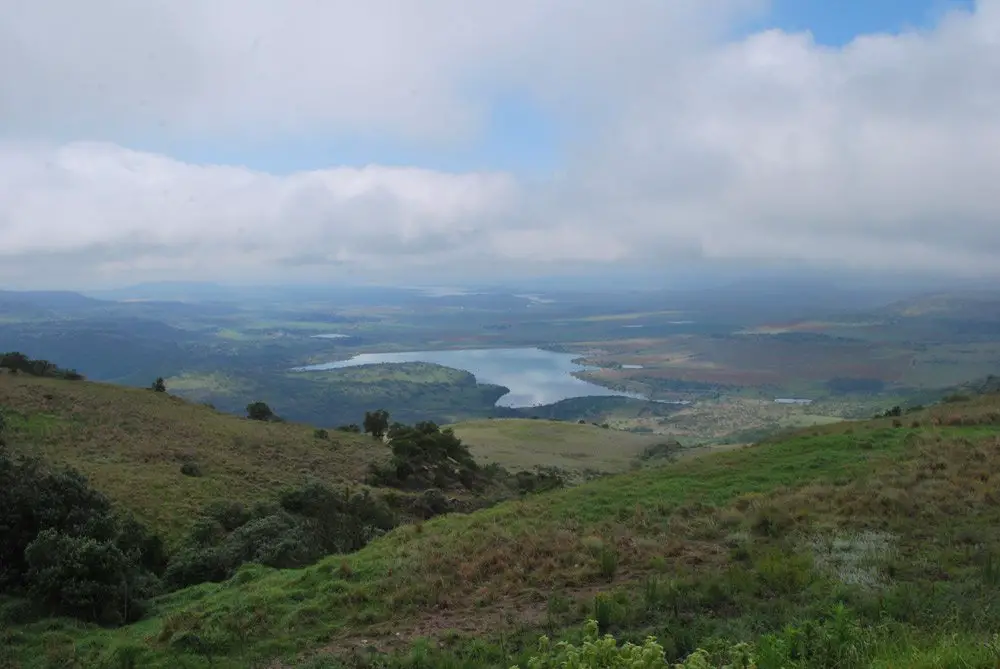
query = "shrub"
x=321 y=434
x=425 y=456
x=597 y=652
x=159 y=386
x=63 y=546
x=306 y=524
x=260 y=411
x=190 y=469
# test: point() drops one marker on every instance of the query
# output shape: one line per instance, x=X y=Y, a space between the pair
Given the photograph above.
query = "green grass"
x=716 y=549
x=518 y=443
x=131 y=443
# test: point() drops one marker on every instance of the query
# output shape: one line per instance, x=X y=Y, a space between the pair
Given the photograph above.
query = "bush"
x=190 y=469
x=306 y=524
x=597 y=652
x=83 y=577
x=321 y=434
x=260 y=411
x=159 y=386
x=63 y=546
x=425 y=456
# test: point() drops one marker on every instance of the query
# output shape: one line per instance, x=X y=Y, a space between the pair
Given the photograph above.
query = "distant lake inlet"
x=533 y=375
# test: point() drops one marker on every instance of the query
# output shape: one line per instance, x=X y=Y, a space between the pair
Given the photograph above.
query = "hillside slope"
x=131 y=444
x=521 y=443
x=854 y=545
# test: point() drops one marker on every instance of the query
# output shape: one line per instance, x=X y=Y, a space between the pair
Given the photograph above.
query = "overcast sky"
x=401 y=139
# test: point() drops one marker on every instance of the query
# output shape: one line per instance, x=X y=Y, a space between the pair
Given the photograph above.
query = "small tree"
x=159 y=386
x=259 y=411
x=377 y=423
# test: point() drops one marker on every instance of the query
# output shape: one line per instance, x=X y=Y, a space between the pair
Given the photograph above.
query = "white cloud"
x=882 y=153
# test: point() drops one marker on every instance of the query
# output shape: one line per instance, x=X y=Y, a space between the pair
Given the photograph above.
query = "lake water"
x=534 y=376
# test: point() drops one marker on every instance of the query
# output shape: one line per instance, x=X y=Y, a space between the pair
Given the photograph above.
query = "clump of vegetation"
x=159 y=385
x=190 y=468
x=20 y=363
x=664 y=450
x=320 y=433
x=262 y=412
x=64 y=548
x=425 y=456
x=304 y=525
x=598 y=652
x=376 y=423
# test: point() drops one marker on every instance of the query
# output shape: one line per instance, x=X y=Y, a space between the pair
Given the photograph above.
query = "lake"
x=534 y=376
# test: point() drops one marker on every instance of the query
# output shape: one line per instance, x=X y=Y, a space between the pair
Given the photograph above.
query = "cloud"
x=697 y=142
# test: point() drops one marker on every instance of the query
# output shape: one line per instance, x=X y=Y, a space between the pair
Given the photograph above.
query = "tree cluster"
x=63 y=546
x=19 y=363
x=304 y=525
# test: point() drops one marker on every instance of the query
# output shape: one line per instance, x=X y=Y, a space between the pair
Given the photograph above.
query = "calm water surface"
x=534 y=376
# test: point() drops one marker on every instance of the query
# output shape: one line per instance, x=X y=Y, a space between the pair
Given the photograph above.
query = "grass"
x=131 y=444
x=878 y=536
x=519 y=443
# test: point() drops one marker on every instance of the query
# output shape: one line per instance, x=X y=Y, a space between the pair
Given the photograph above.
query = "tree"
x=259 y=411
x=377 y=423
x=159 y=386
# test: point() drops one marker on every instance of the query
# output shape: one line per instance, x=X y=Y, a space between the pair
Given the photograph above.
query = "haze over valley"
x=514 y=335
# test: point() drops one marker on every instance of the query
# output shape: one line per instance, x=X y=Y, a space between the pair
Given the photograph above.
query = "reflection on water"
x=534 y=376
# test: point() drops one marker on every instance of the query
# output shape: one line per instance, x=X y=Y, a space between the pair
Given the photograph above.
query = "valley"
x=715 y=481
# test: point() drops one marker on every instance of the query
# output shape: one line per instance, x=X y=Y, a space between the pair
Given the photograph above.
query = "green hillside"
x=132 y=443
x=520 y=443
x=852 y=545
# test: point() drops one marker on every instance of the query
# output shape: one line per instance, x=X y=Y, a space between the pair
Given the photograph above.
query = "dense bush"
x=425 y=456
x=260 y=411
x=20 y=363
x=596 y=652
x=63 y=546
x=304 y=525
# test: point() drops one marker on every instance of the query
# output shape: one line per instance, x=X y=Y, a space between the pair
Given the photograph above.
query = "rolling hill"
x=131 y=443
x=865 y=544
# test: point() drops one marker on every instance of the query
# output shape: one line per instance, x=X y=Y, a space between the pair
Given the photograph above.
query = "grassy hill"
x=131 y=444
x=519 y=443
x=869 y=544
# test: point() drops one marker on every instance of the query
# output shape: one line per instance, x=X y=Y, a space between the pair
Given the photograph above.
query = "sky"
x=438 y=140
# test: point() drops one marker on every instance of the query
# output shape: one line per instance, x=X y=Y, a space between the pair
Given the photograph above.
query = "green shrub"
x=597 y=652
x=304 y=525
x=63 y=546
x=321 y=434
x=190 y=469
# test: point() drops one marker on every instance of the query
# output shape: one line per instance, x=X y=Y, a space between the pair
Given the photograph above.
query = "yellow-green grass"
x=131 y=443
x=521 y=443
x=727 y=544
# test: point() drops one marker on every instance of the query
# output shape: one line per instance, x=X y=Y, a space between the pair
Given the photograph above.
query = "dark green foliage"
x=3 y=426
x=425 y=456
x=664 y=450
x=83 y=577
x=20 y=363
x=159 y=385
x=61 y=544
x=540 y=480
x=352 y=428
x=306 y=524
x=190 y=469
x=321 y=434
x=260 y=411
x=376 y=423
